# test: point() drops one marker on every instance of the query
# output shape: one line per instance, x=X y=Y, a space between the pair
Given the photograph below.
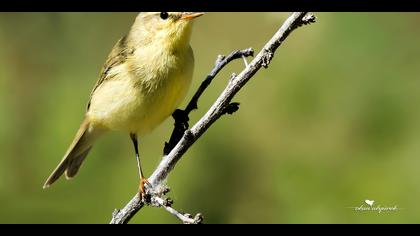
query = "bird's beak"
x=191 y=15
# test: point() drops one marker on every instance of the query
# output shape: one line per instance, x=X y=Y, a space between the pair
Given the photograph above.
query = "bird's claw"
x=144 y=184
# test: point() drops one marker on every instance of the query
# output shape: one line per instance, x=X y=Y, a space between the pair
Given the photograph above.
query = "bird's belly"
x=158 y=105
x=125 y=106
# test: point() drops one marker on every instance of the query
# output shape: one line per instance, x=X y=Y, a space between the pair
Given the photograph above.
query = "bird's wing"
x=118 y=55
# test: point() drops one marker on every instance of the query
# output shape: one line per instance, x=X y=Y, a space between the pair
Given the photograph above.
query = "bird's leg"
x=143 y=180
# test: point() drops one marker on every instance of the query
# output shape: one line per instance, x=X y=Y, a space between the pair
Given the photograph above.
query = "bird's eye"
x=164 y=15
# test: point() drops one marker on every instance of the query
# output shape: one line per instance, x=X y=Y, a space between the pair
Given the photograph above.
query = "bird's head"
x=166 y=28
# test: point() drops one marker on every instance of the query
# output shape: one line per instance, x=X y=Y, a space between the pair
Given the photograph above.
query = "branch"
x=185 y=218
x=222 y=106
x=182 y=116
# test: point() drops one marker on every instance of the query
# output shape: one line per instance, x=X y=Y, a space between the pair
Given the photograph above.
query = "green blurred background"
x=332 y=122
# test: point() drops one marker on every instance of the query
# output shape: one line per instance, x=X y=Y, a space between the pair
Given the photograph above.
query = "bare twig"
x=182 y=116
x=222 y=106
x=184 y=217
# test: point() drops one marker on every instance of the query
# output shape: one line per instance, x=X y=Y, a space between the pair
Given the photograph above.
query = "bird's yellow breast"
x=142 y=92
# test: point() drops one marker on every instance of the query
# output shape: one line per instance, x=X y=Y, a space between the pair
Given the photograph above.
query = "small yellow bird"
x=143 y=81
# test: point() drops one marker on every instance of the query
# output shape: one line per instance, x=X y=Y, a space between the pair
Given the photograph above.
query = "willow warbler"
x=146 y=76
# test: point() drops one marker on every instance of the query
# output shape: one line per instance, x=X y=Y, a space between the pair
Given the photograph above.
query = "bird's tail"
x=76 y=154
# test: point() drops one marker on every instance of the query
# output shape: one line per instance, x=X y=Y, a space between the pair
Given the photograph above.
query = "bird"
x=144 y=79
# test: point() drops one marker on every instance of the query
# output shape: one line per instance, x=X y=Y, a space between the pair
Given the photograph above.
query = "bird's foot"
x=144 y=183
